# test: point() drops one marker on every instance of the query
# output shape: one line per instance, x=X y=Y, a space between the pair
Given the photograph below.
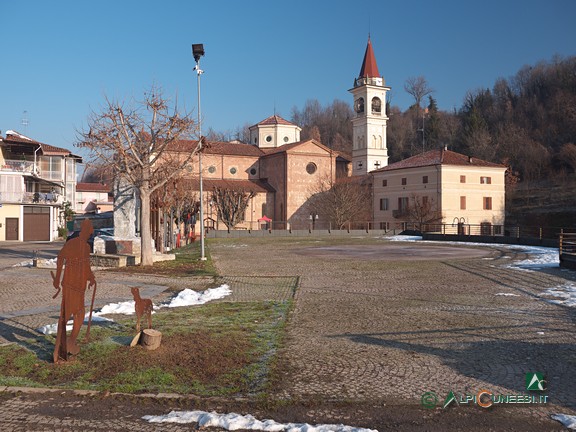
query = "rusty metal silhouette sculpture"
x=143 y=306
x=74 y=261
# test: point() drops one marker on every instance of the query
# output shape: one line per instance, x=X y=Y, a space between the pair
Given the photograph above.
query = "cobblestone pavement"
x=365 y=328
x=369 y=328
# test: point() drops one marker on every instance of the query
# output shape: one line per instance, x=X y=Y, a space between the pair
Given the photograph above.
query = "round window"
x=211 y=169
x=286 y=139
x=253 y=171
x=233 y=170
x=269 y=138
x=311 y=168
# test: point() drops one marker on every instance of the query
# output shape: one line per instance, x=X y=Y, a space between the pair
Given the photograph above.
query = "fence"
x=567 y=249
x=486 y=233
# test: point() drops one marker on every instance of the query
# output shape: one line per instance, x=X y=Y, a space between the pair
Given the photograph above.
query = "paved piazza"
x=373 y=320
x=421 y=318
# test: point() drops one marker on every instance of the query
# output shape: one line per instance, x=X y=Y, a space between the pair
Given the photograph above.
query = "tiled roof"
x=218 y=147
x=369 y=66
x=274 y=120
x=92 y=187
x=48 y=150
x=258 y=186
x=438 y=157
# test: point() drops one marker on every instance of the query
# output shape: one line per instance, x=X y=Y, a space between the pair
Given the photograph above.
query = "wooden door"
x=12 y=228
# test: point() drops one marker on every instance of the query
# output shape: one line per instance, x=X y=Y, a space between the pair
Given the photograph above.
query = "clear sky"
x=60 y=58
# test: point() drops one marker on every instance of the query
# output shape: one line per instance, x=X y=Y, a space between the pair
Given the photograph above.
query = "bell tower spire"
x=369 y=151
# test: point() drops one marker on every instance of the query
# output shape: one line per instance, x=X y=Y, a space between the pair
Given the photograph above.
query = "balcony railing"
x=31 y=198
x=399 y=213
x=17 y=166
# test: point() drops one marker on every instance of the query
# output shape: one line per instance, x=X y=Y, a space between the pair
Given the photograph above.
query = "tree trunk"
x=150 y=339
x=145 y=236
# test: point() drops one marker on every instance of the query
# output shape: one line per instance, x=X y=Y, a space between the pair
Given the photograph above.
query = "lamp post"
x=197 y=52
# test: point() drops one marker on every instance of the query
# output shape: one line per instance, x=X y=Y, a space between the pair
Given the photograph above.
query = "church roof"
x=369 y=66
x=217 y=147
x=439 y=157
x=254 y=185
x=274 y=120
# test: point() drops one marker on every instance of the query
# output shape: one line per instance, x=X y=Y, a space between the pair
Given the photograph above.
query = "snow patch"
x=507 y=294
x=187 y=297
x=405 y=238
x=568 y=421
x=566 y=293
x=235 y=421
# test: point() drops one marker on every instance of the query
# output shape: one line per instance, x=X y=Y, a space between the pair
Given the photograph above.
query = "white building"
x=35 y=180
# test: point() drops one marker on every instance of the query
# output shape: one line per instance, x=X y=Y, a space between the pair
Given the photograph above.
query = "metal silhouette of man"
x=74 y=258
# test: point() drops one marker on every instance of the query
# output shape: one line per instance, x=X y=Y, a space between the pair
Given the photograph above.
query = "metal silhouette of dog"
x=142 y=307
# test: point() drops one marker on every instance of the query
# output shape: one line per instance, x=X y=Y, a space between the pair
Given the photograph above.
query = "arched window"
x=376 y=106
x=359 y=105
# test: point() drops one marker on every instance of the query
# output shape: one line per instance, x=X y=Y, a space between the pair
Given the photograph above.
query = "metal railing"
x=17 y=166
x=567 y=243
x=31 y=198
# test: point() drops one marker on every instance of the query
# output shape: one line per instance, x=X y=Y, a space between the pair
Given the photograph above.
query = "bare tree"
x=141 y=143
x=418 y=88
x=231 y=204
x=422 y=211
x=342 y=201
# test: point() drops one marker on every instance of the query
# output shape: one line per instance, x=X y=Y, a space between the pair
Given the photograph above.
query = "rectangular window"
x=425 y=179
x=487 y=203
x=383 y=204
x=485 y=180
x=462 y=203
x=462 y=179
x=384 y=183
x=424 y=201
x=384 y=226
x=403 y=180
x=403 y=204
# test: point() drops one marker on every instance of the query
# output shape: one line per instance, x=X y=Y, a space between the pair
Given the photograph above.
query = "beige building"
x=35 y=180
x=440 y=186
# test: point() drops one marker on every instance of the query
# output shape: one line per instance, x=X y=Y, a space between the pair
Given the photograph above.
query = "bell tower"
x=369 y=150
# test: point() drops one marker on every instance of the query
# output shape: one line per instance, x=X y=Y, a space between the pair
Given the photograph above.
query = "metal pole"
x=202 y=253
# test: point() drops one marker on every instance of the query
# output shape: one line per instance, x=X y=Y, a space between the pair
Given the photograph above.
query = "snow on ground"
x=186 y=297
x=507 y=294
x=566 y=293
x=540 y=257
x=235 y=421
x=569 y=421
x=46 y=263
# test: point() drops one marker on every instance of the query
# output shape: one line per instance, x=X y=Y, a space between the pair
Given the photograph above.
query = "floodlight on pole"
x=197 y=52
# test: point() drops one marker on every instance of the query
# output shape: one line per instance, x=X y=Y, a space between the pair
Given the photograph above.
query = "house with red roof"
x=35 y=180
x=440 y=187
x=93 y=198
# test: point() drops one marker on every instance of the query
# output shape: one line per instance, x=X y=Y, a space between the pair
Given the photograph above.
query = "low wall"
x=294 y=233
x=526 y=241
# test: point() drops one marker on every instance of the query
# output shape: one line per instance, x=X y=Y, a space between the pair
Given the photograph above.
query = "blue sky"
x=60 y=58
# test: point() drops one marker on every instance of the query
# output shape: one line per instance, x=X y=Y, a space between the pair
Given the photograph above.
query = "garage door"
x=36 y=223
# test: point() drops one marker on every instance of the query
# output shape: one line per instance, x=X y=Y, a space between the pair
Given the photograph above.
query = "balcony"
x=399 y=213
x=31 y=198
x=18 y=166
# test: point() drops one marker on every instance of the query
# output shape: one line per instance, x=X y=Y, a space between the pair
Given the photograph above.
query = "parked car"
x=97 y=233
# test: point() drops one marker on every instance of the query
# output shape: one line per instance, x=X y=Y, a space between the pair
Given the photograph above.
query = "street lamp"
x=197 y=52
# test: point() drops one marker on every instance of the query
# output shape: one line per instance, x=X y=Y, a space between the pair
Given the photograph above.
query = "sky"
x=62 y=59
